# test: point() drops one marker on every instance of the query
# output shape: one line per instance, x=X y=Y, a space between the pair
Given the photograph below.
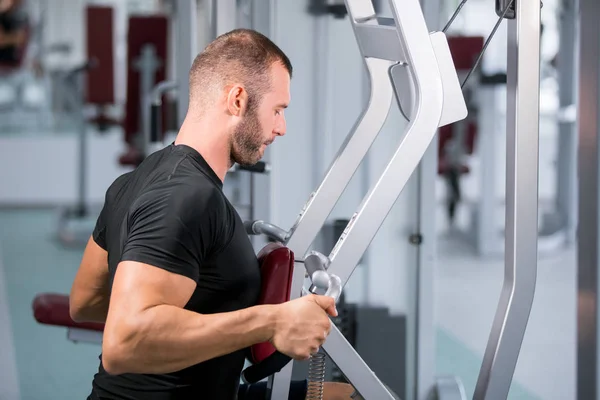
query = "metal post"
x=262 y=21
x=224 y=16
x=522 y=136
x=485 y=230
x=566 y=185
x=187 y=49
x=421 y=336
x=79 y=97
x=589 y=184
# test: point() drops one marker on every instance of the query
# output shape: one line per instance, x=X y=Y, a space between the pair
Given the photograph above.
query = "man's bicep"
x=141 y=286
x=137 y=287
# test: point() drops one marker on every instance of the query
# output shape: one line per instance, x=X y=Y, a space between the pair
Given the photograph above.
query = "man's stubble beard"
x=247 y=140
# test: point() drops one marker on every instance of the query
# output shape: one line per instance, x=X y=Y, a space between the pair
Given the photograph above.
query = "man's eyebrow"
x=282 y=105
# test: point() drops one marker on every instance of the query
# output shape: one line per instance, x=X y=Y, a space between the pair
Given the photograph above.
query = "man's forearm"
x=94 y=311
x=167 y=338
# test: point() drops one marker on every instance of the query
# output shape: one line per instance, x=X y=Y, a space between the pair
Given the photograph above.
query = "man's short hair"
x=242 y=55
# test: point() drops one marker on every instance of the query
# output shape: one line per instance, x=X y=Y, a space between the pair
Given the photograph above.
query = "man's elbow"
x=76 y=312
x=118 y=349
x=113 y=360
x=77 y=308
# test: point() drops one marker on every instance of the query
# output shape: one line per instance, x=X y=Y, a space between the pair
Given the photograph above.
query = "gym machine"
x=402 y=58
x=405 y=60
x=431 y=97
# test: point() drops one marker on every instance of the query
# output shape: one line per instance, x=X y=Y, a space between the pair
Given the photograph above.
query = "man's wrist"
x=266 y=317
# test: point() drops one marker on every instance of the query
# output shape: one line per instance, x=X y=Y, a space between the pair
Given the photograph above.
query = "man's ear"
x=237 y=100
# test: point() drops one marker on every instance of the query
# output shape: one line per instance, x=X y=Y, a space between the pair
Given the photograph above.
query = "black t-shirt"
x=171 y=212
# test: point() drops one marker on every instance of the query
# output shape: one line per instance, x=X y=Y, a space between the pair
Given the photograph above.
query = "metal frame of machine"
x=403 y=57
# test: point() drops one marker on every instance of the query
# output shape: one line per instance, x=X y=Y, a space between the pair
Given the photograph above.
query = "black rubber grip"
x=267 y=367
x=248 y=227
x=260 y=167
x=155 y=123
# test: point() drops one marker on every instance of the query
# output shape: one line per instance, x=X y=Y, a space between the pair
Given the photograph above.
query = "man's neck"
x=211 y=143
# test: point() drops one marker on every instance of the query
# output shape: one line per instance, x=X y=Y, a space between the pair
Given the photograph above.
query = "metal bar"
x=354 y=367
x=426 y=113
x=423 y=358
x=159 y=90
x=589 y=185
x=347 y=160
x=344 y=165
x=566 y=184
x=518 y=290
x=376 y=39
x=486 y=234
x=261 y=16
x=79 y=106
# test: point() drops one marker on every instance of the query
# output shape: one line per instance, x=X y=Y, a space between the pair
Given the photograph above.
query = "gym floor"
x=38 y=362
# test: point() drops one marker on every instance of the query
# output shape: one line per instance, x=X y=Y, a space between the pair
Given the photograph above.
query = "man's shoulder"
x=189 y=198
x=193 y=186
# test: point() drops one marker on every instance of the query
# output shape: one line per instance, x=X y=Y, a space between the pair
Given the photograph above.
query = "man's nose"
x=280 y=127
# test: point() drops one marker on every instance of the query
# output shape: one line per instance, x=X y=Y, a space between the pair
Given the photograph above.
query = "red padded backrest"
x=53 y=309
x=276 y=266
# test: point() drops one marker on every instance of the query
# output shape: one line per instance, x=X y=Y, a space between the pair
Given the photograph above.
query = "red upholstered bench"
x=53 y=309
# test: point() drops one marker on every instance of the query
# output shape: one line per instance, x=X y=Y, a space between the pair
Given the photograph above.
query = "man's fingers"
x=327 y=303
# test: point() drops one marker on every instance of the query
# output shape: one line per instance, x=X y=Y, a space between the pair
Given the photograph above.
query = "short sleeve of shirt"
x=176 y=230
x=99 y=232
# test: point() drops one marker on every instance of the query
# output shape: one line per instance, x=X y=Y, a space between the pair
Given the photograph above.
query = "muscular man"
x=169 y=267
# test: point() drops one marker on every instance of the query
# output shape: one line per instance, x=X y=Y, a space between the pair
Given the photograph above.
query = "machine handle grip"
x=270 y=365
x=332 y=283
x=155 y=123
x=315 y=261
x=335 y=287
x=276 y=361
x=259 y=227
